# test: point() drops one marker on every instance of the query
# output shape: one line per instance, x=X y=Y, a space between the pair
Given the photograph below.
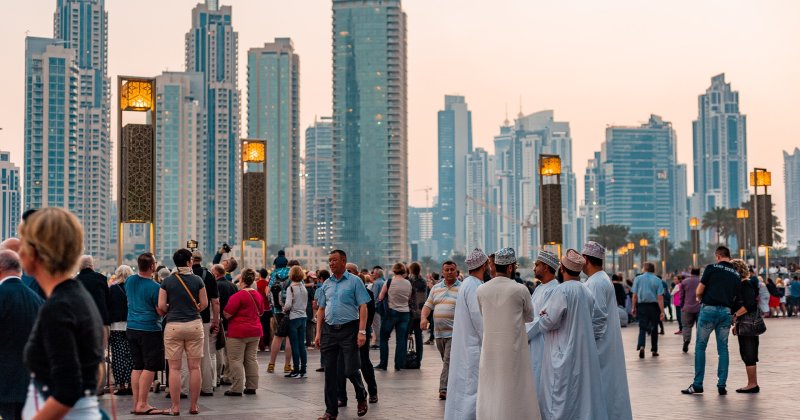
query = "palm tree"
x=722 y=220
x=651 y=244
x=612 y=237
x=777 y=229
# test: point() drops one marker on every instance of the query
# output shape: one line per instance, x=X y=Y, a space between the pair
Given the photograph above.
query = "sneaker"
x=641 y=353
x=287 y=368
x=300 y=375
x=722 y=390
x=271 y=368
x=692 y=390
x=322 y=369
x=685 y=346
x=291 y=375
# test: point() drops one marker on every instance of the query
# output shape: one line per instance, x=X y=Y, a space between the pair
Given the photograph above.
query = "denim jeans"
x=297 y=339
x=715 y=319
x=395 y=321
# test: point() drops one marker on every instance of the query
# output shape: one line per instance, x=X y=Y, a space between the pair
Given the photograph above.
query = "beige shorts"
x=180 y=336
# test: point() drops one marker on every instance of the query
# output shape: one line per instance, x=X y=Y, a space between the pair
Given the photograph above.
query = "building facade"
x=791 y=181
x=720 y=150
x=370 y=144
x=180 y=162
x=319 y=184
x=273 y=114
x=455 y=143
x=212 y=50
x=10 y=191
x=82 y=25
x=479 y=218
x=420 y=233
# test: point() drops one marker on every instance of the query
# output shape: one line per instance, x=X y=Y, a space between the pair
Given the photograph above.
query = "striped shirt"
x=442 y=301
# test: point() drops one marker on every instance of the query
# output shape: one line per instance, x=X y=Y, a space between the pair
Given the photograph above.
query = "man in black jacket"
x=210 y=317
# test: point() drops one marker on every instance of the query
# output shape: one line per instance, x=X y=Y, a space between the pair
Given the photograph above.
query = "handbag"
x=220 y=344
x=751 y=324
x=412 y=358
x=283 y=322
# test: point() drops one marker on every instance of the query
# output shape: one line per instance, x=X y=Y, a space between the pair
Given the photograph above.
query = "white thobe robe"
x=570 y=366
x=503 y=391
x=535 y=338
x=465 y=353
x=610 y=351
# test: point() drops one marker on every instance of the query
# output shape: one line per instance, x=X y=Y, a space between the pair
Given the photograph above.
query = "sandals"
x=171 y=413
x=271 y=368
x=152 y=411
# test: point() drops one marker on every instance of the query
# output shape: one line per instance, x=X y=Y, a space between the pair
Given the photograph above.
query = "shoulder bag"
x=751 y=324
x=255 y=304
x=283 y=324
x=191 y=296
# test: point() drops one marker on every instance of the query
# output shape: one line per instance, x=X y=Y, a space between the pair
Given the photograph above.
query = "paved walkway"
x=655 y=385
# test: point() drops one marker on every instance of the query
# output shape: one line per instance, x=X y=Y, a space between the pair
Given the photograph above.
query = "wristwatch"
x=362 y=332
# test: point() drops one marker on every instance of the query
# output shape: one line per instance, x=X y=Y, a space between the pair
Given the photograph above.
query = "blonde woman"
x=295 y=308
x=121 y=360
x=65 y=348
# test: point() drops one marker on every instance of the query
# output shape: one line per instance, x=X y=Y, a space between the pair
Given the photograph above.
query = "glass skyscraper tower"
x=319 y=183
x=791 y=181
x=212 y=50
x=455 y=143
x=370 y=144
x=9 y=197
x=273 y=114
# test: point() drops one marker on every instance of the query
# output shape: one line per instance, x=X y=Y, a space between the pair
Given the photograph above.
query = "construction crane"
x=525 y=225
x=427 y=190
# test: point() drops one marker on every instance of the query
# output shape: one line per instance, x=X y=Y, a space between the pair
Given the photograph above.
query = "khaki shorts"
x=180 y=336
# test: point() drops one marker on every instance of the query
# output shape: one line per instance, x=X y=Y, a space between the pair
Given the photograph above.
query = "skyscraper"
x=212 y=49
x=479 y=220
x=9 y=197
x=593 y=196
x=83 y=26
x=273 y=113
x=640 y=179
x=720 y=149
x=319 y=183
x=791 y=181
x=180 y=160
x=455 y=143
x=51 y=124
x=370 y=144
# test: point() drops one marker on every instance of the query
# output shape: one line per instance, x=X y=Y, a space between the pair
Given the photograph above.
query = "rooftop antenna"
x=520 y=107
x=506 y=122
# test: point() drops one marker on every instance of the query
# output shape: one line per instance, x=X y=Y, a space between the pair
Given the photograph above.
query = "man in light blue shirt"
x=648 y=305
x=377 y=284
x=342 y=329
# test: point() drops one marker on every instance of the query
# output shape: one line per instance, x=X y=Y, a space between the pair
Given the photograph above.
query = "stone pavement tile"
x=655 y=385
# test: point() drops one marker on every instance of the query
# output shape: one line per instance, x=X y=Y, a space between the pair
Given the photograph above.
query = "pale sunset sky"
x=594 y=62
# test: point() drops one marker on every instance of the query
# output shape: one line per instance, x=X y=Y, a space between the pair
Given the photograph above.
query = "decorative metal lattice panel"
x=137 y=177
x=551 y=213
x=254 y=206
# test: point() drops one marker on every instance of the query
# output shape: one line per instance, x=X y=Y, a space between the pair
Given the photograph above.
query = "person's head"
x=296 y=274
x=162 y=273
x=337 y=259
x=616 y=278
x=218 y=271
x=122 y=273
x=492 y=267
x=293 y=263
x=197 y=258
x=741 y=267
x=52 y=242
x=86 y=263
x=595 y=254
x=571 y=265
x=505 y=262
x=449 y=271
x=182 y=258
x=415 y=268
x=11 y=244
x=263 y=273
x=399 y=269
x=476 y=263
x=649 y=267
x=351 y=268
x=146 y=263
x=247 y=278
x=722 y=254
x=695 y=271
x=377 y=272
x=232 y=265
x=323 y=275
x=546 y=266
x=9 y=264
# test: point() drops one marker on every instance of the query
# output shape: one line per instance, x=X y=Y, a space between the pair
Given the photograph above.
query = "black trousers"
x=748 y=349
x=649 y=316
x=336 y=342
x=367 y=371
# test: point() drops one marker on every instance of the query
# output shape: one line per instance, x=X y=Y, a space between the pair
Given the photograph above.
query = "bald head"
x=87 y=262
x=352 y=268
x=12 y=244
x=9 y=264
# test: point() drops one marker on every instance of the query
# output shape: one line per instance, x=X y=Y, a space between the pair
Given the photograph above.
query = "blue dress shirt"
x=341 y=298
x=647 y=287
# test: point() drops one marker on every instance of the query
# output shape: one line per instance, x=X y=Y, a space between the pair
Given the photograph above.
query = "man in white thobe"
x=465 y=353
x=611 y=354
x=505 y=390
x=545 y=271
x=570 y=366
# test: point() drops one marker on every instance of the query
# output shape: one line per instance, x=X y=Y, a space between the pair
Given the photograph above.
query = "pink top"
x=245 y=320
x=676 y=296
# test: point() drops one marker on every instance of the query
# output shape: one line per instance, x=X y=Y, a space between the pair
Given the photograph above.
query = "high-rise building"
x=51 y=124
x=455 y=143
x=640 y=179
x=505 y=191
x=319 y=184
x=9 y=197
x=593 y=196
x=479 y=218
x=82 y=25
x=791 y=181
x=180 y=160
x=420 y=232
x=273 y=114
x=370 y=144
x=720 y=149
x=212 y=49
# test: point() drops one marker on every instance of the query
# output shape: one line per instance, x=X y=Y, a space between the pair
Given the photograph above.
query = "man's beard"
x=560 y=276
x=486 y=276
x=538 y=276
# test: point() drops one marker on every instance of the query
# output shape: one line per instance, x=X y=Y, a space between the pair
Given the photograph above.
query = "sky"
x=594 y=62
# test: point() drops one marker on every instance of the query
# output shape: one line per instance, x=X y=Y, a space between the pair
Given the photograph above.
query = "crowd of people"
x=196 y=328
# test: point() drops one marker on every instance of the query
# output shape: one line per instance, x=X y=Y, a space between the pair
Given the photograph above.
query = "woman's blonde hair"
x=296 y=273
x=56 y=238
x=122 y=273
x=741 y=268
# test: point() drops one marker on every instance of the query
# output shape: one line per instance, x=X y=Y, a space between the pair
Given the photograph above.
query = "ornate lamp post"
x=663 y=234
x=742 y=215
x=549 y=203
x=254 y=194
x=762 y=208
x=631 y=246
x=694 y=223
x=621 y=252
x=643 y=252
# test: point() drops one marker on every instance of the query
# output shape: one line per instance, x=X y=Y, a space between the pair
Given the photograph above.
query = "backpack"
x=412 y=359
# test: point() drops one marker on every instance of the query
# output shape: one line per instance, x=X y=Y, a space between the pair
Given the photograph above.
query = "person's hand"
x=543 y=312
x=423 y=324
x=661 y=316
x=362 y=339
x=221 y=250
x=733 y=330
x=317 y=340
x=633 y=312
x=215 y=326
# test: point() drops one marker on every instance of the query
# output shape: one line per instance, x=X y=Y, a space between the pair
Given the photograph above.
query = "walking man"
x=610 y=351
x=467 y=338
x=442 y=303
x=718 y=291
x=690 y=306
x=342 y=329
x=648 y=305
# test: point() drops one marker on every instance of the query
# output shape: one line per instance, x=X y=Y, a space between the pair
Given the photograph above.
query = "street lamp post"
x=254 y=200
x=761 y=177
x=743 y=215
x=694 y=223
x=643 y=253
x=663 y=234
x=549 y=203
x=631 y=246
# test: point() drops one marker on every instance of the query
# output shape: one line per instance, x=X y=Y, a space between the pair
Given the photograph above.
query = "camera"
x=226 y=248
